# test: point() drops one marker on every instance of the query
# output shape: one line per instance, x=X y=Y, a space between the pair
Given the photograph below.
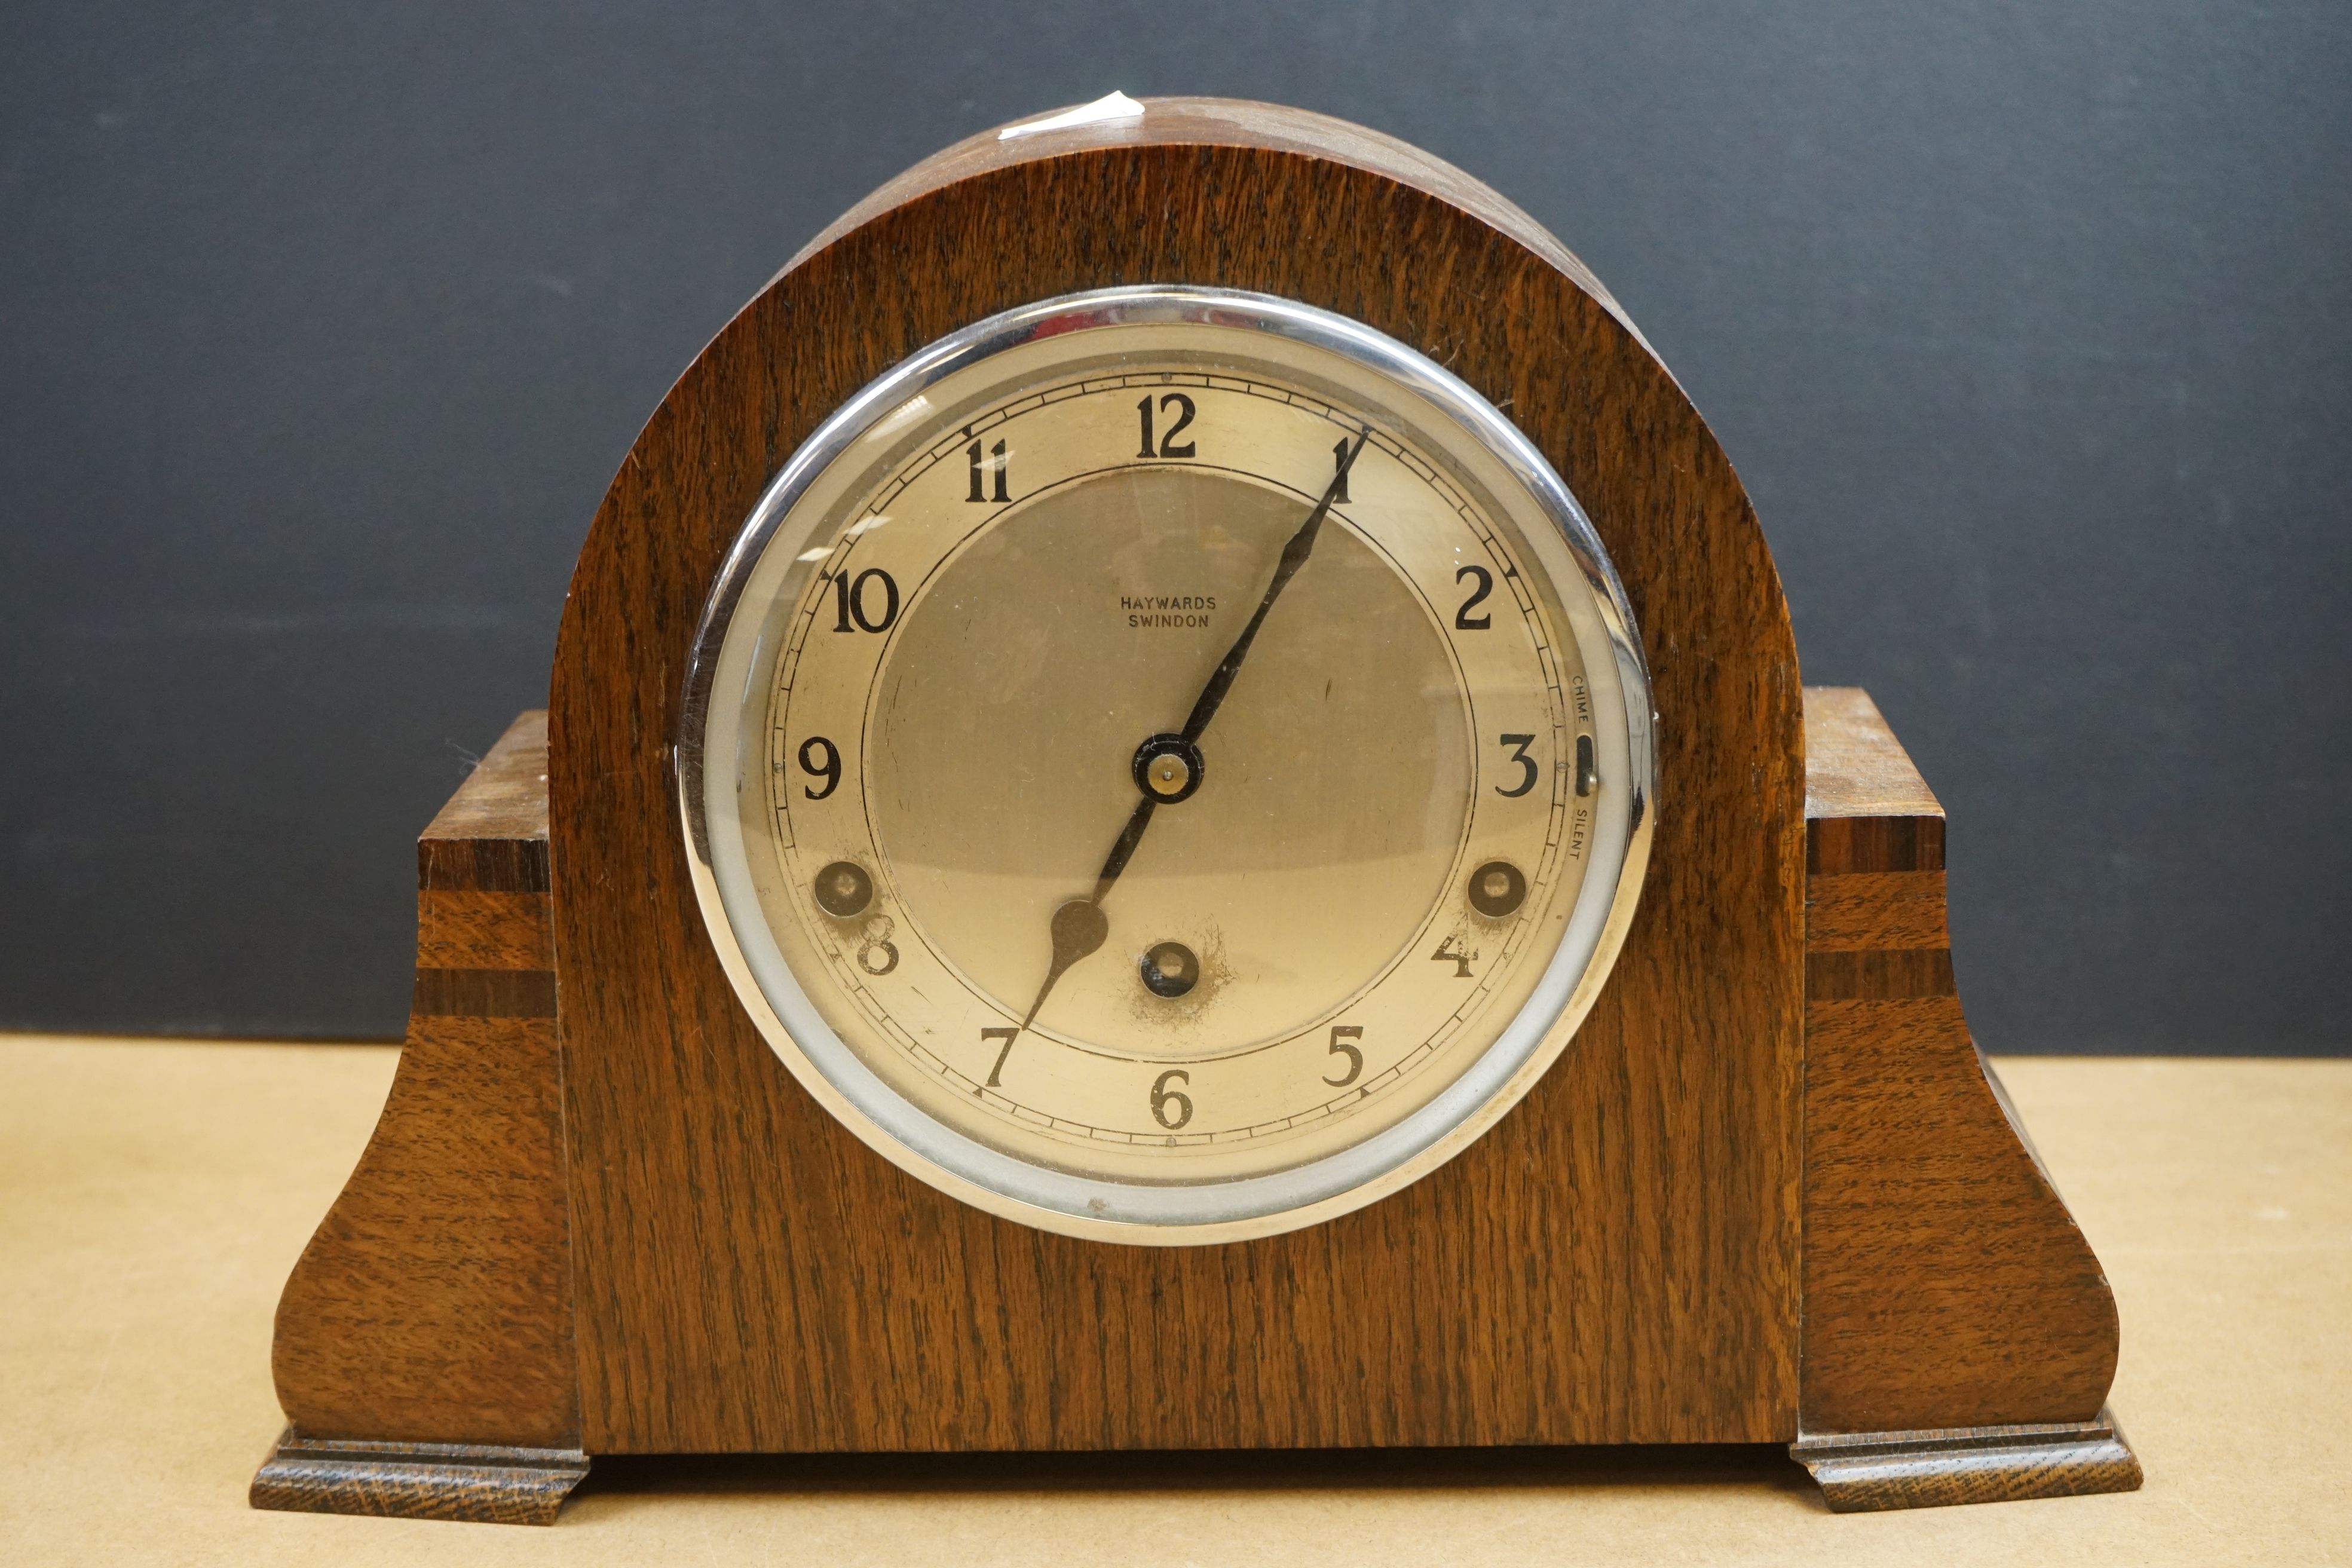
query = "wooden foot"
x=1860 y=1471
x=476 y=1483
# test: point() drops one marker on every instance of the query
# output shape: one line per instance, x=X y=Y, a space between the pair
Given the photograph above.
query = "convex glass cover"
x=1167 y=764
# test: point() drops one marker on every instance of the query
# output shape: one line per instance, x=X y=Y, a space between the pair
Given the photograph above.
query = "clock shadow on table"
x=1765 y=1467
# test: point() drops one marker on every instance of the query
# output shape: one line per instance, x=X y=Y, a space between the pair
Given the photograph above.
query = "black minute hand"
x=1079 y=925
x=1294 y=556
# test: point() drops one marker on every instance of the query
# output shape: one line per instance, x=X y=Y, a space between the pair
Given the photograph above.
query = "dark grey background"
x=322 y=329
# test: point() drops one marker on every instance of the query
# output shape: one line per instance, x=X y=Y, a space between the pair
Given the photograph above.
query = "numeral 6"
x=1164 y=1098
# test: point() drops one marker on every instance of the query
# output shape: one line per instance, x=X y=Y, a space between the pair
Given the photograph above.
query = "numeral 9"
x=819 y=757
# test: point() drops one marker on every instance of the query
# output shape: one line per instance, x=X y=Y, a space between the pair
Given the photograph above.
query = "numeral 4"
x=1447 y=950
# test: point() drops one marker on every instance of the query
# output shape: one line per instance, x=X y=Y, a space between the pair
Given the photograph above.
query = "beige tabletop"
x=153 y=1194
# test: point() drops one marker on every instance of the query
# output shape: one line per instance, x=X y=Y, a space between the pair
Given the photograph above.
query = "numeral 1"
x=1339 y=465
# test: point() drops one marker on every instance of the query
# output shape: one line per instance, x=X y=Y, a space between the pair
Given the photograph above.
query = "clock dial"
x=1173 y=766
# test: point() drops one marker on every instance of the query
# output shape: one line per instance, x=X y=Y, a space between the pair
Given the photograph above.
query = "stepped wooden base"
x=1863 y=1471
x=1957 y=1339
x=472 y=1482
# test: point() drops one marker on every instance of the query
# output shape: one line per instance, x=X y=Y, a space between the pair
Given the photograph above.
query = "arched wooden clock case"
x=1772 y=1195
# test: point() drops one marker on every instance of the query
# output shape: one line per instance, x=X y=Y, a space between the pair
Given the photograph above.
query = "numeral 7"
x=1008 y=1035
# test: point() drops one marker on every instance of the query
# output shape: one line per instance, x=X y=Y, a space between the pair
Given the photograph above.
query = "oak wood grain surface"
x=154 y=1190
x=1946 y=1284
x=471 y=1483
x=1872 y=935
x=1615 y=1261
x=434 y=1302
x=1949 y=1468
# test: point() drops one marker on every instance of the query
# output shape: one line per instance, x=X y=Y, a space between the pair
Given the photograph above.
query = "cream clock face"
x=1167 y=765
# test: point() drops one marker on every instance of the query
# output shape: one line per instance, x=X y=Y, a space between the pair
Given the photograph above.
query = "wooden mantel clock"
x=1176 y=813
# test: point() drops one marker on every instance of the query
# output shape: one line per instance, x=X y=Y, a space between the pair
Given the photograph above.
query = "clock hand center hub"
x=1168 y=769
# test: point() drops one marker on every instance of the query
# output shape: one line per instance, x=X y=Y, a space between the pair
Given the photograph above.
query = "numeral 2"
x=1463 y=619
x=1168 y=447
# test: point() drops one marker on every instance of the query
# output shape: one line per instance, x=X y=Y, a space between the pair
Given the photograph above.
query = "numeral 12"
x=1182 y=407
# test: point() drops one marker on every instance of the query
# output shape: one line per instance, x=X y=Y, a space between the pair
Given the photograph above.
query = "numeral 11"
x=996 y=463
